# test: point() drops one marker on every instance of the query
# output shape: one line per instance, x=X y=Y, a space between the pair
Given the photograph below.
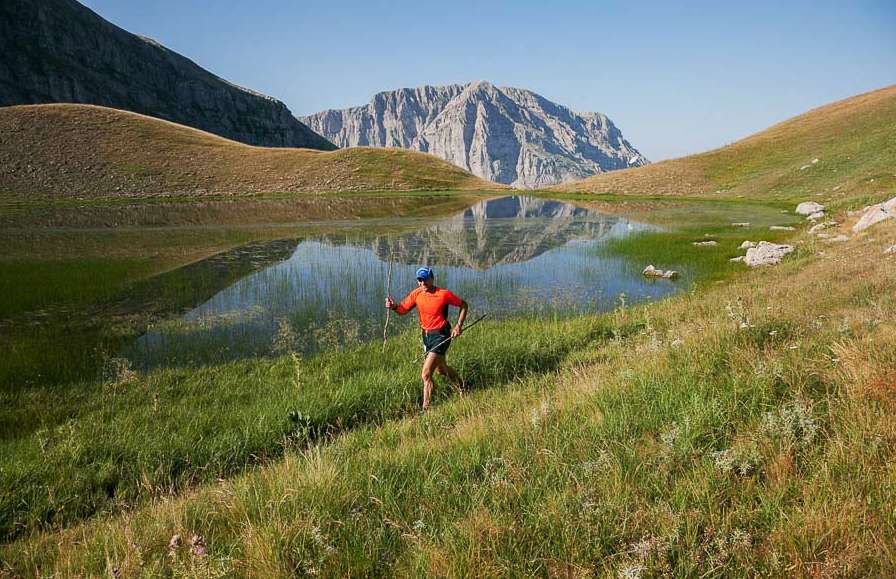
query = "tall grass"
x=739 y=431
x=144 y=436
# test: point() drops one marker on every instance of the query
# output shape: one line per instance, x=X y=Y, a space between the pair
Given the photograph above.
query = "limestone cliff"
x=502 y=134
x=58 y=51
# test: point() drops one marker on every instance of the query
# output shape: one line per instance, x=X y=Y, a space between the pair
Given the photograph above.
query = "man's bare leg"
x=446 y=370
x=429 y=365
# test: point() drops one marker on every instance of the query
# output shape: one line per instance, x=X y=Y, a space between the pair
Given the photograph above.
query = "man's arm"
x=458 y=328
x=406 y=305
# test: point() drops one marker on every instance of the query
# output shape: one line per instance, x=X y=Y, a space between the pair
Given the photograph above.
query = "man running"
x=432 y=304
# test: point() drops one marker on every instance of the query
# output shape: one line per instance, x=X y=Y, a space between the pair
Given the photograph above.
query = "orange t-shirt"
x=432 y=306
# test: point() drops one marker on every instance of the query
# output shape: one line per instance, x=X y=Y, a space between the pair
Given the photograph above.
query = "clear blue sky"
x=676 y=77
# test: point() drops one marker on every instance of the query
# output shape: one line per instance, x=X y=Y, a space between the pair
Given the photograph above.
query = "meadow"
x=742 y=429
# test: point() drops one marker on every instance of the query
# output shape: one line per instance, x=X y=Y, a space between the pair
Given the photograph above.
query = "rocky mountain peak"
x=59 y=51
x=504 y=134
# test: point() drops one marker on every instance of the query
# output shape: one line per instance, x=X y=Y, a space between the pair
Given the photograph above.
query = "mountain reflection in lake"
x=513 y=256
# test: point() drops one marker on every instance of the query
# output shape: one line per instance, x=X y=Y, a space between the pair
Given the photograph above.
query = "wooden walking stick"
x=388 y=295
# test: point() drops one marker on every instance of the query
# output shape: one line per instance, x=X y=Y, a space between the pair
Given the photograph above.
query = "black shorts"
x=437 y=340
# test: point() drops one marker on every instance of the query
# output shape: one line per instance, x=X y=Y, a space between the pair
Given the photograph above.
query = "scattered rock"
x=747 y=245
x=816 y=216
x=738 y=258
x=766 y=253
x=840 y=237
x=808 y=208
x=890 y=250
x=819 y=226
x=824 y=235
x=651 y=271
x=782 y=228
x=705 y=243
x=875 y=214
x=814 y=161
x=743 y=224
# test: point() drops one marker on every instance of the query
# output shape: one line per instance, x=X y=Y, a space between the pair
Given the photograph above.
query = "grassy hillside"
x=854 y=141
x=746 y=430
x=87 y=151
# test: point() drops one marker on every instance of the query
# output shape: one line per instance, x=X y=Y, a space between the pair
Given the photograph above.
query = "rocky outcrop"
x=506 y=135
x=875 y=214
x=58 y=51
x=651 y=271
x=808 y=208
x=766 y=253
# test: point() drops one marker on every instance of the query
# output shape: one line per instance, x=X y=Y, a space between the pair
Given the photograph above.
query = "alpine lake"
x=93 y=290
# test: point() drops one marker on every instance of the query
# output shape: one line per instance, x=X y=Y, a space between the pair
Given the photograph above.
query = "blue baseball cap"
x=424 y=273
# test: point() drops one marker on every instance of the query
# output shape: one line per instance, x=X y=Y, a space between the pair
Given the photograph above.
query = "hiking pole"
x=388 y=294
x=449 y=338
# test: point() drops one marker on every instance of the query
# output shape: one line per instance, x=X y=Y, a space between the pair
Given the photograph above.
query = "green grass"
x=196 y=425
x=676 y=250
x=741 y=430
x=745 y=429
x=29 y=286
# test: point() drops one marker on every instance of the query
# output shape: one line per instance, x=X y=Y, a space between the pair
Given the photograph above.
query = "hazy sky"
x=675 y=77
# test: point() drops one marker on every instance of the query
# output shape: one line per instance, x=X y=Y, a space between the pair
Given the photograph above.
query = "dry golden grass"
x=66 y=150
x=852 y=139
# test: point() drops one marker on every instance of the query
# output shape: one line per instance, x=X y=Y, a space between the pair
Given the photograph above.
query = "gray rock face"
x=808 y=208
x=502 y=134
x=766 y=253
x=59 y=51
x=875 y=214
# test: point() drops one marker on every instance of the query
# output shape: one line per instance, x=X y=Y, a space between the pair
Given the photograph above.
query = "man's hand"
x=456 y=331
x=390 y=305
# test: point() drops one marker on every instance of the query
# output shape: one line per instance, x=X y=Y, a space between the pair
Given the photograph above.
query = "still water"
x=513 y=256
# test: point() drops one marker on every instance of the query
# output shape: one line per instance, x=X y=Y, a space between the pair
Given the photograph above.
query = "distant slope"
x=854 y=141
x=82 y=150
x=59 y=51
x=503 y=134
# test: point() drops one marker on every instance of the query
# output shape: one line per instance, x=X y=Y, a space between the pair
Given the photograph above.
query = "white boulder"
x=875 y=214
x=782 y=228
x=816 y=216
x=651 y=271
x=890 y=250
x=747 y=245
x=709 y=243
x=766 y=253
x=808 y=208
